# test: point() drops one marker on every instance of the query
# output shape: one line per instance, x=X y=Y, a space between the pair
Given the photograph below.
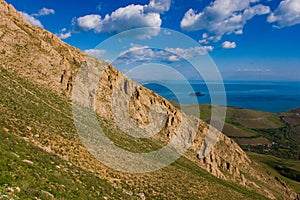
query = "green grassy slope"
x=258 y=131
x=265 y=133
x=36 y=113
x=28 y=172
x=286 y=169
x=292 y=117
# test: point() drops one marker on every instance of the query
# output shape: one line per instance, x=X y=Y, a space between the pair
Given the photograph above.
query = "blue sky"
x=247 y=39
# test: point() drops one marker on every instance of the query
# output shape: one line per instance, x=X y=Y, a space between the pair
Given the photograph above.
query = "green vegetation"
x=24 y=105
x=187 y=165
x=255 y=131
x=28 y=171
x=264 y=133
x=283 y=146
x=286 y=169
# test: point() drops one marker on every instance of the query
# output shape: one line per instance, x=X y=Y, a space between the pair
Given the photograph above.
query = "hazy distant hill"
x=42 y=156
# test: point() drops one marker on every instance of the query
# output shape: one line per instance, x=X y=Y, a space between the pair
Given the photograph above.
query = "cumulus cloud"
x=228 y=45
x=32 y=20
x=287 y=14
x=222 y=17
x=158 y=6
x=64 y=34
x=137 y=53
x=89 y=22
x=129 y=17
x=249 y=13
x=44 y=12
x=206 y=38
x=190 y=52
x=173 y=58
x=126 y=18
x=208 y=48
x=97 y=53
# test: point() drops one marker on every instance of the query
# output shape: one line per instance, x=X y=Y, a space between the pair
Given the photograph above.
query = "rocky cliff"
x=39 y=57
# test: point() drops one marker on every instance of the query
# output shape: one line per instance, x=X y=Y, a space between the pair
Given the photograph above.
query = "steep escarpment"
x=226 y=160
x=35 y=53
x=36 y=63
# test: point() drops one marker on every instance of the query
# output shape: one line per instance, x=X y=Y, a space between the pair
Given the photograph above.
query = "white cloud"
x=249 y=13
x=203 y=41
x=44 y=12
x=158 y=6
x=206 y=38
x=173 y=58
x=208 y=48
x=126 y=18
x=32 y=20
x=97 y=53
x=287 y=14
x=137 y=53
x=228 y=45
x=133 y=48
x=239 y=32
x=89 y=22
x=64 y=34
x=190 y=52
x=254 y=70
x=129 y=17
x=222 y=17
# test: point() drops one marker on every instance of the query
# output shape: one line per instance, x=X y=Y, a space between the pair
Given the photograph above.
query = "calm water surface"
x=266 y=96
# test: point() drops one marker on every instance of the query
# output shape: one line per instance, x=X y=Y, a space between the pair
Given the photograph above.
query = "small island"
x=198 y=94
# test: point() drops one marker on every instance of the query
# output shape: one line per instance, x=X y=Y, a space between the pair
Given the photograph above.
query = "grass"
x=279 y=167
x=254 y=131
x=29 y=109
x=194 y=169
x=47 y=174
x=257 y=131
x=237 y=132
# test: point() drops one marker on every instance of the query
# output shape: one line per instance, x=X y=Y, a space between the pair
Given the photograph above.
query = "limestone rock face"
x=35 y=53
x=40 y=57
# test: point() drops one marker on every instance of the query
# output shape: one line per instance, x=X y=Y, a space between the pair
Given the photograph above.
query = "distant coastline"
x=269 y=96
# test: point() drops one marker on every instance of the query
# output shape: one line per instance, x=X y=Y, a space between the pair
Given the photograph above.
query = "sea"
x=269 y=96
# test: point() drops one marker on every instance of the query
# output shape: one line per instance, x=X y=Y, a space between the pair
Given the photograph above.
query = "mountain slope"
x=258 y=131
x=38 y=73
x=27 y=171
x=25 y=117
x=292 y=118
